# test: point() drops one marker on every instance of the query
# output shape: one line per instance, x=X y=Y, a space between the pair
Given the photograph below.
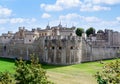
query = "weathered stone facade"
x=54 y=50
x=59 y=45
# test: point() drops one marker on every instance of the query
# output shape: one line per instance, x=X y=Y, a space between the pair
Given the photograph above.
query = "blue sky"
x=100 y=14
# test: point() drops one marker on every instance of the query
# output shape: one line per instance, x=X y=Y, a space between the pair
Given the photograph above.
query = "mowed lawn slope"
x=72 y=74
x=7 y=65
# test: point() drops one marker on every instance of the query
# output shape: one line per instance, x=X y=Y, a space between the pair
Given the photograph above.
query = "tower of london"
x=59 y=45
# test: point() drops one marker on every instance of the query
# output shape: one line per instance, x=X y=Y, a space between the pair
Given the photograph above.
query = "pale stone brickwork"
x=60 y=45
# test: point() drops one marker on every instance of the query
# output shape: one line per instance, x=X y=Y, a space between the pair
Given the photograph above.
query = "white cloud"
x=46 y=15
x=2 y=28
x=110 y=2
x=97 y=8
x=4 y=12
x=69 y=16
x=68 y=4
x=90 y=7
x=60 y=5
x=74 y=17
x=83 y=5
x=22 y=20
x=91 y=19
x=17 y=20
x=86 y=21
x=118 y=18
x=3 y=21
x=51 y=7
x=97 y=5
x=33 y=20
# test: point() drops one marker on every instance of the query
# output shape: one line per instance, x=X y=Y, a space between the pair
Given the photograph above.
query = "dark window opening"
x=4 y=48
x=70 y=34
x=53 y=47
x=71 y=47
x=60 y=48
x=45 y=34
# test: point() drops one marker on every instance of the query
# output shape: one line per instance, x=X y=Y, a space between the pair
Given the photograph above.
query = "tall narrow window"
x=53 y=47
x=5 y=48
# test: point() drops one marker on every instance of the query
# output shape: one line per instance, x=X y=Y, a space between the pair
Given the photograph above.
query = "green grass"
x=7 y=65
x=72 y=74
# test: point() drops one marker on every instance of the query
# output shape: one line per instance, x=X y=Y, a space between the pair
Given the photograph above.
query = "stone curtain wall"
x=53 y=50
x=92 y=53
x=17 y=51
x=59 y=50
x=1 y=50
x=86 y=51
x=63 y=50
x=99 y=53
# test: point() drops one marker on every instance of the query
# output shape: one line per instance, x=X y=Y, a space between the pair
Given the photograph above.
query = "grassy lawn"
x=7 y=65
x=72 y=74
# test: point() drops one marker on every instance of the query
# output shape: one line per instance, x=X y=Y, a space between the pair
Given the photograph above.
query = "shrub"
x=26 y=73
x=110 y=73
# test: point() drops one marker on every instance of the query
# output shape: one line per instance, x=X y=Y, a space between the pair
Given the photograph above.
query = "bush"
x=110 y=73
x=26 y=73
x=30 y=73
x=6 y=78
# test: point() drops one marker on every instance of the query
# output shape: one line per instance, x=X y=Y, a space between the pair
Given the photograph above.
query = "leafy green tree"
x=110 y=73
x=30 y=73
x=26 y=73
x=100 y=31
x=6 y=78
x=79 y=31
x=90 y=31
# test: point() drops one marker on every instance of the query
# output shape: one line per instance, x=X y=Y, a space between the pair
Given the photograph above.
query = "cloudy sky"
x=100 y=14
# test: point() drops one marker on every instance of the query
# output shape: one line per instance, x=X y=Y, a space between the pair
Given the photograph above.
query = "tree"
x=110 y=73
x=30 y=73
x=26 y=73
x=6 y=78
x=100 y=31
x=90 y=31
x=79 y=31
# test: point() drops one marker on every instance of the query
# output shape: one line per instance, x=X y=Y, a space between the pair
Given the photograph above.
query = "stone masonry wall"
x=99 y=53
x=53 y=50
x=63 y=50
x=59 y=50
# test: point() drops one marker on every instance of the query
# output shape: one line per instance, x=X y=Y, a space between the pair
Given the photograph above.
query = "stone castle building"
x=60 y=45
